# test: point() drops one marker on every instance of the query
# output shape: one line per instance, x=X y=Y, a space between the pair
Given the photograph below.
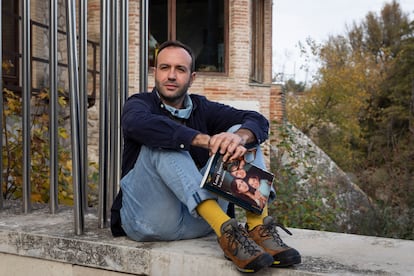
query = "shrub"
x=12 y=152
x=300 y=202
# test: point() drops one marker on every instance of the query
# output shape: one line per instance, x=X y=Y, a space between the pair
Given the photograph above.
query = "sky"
x=296 y=20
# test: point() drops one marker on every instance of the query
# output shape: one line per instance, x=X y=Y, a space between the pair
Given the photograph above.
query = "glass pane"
x=158 y=26
x=257 y=40
x=200 y=24
x=10 y=32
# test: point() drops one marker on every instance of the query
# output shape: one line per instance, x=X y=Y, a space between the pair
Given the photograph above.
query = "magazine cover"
x=239 y=182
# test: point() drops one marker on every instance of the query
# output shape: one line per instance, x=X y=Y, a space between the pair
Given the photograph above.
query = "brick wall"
x=234 y=86
x=277 y=109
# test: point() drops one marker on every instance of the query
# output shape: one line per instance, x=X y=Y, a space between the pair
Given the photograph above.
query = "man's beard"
x=174 y=98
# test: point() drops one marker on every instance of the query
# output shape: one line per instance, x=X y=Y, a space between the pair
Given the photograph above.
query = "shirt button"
x=182 y=146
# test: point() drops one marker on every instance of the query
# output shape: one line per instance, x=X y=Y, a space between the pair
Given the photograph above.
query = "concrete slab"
x=51 y=237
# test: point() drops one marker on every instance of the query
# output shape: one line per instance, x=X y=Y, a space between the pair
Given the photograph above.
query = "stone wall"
x=40 y=243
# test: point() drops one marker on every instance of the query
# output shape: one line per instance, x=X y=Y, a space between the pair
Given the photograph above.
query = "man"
x=168 y=138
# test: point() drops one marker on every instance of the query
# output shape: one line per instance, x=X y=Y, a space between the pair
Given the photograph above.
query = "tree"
x=361 y=110
x=329 y=112
x=292 y=86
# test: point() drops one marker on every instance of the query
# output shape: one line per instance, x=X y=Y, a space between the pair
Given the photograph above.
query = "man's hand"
x=229 y=144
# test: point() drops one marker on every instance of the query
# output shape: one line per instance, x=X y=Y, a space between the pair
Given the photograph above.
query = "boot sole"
x=287 y=262
x=257 y=264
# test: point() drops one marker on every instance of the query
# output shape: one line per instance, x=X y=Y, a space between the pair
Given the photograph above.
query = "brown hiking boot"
x=268 y=238
x=241 y=250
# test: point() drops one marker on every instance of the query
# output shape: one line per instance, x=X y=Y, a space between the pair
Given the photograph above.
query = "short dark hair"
x=176 y=43
x=235 y=191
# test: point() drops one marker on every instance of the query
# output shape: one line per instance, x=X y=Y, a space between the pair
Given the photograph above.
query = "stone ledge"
x=51 y=237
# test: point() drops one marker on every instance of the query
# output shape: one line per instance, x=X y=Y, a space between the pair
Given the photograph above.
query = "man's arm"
x=231 y=145
x=246 y=135
x=221 y=117
x=202 y=141
x=143 y=123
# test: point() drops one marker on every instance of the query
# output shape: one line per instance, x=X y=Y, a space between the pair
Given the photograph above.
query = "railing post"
x=103 y=118
x=26 y=96
x=124 y=35
x=83 y=86
x=1 y=107
x=77 y=162
x=144 y=47
x=124 y=52
x=53 y=109
x=114 y=101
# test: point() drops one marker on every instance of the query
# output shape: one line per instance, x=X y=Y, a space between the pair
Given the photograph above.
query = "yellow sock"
x=211 y=211
x=254 y=220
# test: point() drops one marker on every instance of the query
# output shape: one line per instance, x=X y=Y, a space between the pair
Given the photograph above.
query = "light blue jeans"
x=161 y=193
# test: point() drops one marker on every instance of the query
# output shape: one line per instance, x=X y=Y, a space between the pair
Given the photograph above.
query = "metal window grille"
x=113 y=92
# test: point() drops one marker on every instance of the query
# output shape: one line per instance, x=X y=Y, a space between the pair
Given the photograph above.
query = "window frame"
x=258 y=41
x=172 y=33
x=12 y=80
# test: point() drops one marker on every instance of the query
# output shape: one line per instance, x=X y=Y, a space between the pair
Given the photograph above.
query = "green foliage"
x=12 y=152
x=300 y=202
x=292 y=86
x=360 y=111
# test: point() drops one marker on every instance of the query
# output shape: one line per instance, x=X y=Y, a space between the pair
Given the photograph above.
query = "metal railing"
x=1 y=105
x=91 y=96
x=113 y=93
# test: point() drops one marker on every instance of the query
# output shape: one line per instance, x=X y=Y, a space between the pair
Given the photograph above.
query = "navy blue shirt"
x=145 y=121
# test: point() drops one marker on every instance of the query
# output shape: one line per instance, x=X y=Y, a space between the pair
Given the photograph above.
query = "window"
x=200 y=24
x=256 y=74
x=10 y=43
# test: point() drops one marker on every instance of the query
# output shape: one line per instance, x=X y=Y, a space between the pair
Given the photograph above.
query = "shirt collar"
x=182 y=113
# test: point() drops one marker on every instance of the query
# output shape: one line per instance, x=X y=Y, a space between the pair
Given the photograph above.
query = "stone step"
x=51 y=237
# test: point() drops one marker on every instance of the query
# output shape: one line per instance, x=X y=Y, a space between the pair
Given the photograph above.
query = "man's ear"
x=192 y=78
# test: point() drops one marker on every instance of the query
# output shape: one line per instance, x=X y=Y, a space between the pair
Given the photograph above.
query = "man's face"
x=173 y=75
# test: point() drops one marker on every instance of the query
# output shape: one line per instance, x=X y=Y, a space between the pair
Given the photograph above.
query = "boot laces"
x=271 y=230
x=239 y=236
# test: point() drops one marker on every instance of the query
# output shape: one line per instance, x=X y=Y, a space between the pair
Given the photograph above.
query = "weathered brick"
x=234 y=84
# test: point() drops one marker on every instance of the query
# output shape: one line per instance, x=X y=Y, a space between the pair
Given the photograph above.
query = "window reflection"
x=198 y=23
x=10 y=42
x=153 y=45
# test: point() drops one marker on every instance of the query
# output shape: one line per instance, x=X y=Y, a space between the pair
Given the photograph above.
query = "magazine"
x=242 y=183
